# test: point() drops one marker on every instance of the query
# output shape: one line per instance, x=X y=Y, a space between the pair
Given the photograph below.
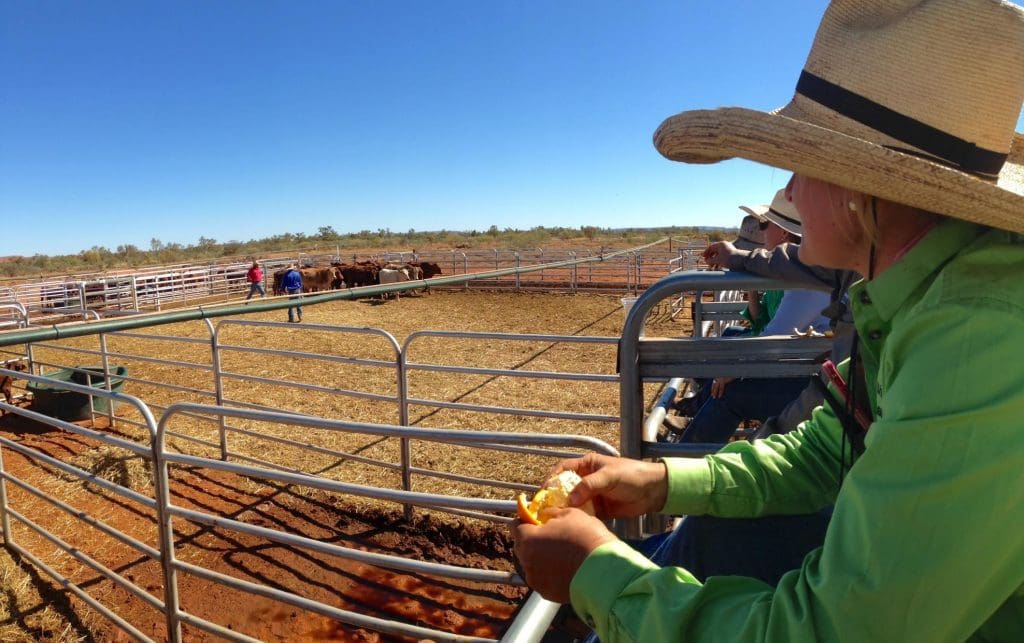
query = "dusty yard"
x=41 y=612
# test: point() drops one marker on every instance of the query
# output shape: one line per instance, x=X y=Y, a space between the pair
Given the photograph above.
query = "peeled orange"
x=554 y=494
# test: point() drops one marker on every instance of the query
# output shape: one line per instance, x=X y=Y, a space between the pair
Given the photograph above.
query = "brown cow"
x=318 y=279
x=339 y=279
x=7 y=381
x=427 y=269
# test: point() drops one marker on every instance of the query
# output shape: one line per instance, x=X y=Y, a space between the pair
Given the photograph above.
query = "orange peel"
x=553 y=495
x=523 y=511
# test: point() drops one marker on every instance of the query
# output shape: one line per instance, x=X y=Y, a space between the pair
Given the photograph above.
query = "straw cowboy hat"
x=913 y=101
x=781 y=212
x=751 y=236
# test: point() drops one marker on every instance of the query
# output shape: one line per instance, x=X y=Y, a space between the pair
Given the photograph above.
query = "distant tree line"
x=326 y=239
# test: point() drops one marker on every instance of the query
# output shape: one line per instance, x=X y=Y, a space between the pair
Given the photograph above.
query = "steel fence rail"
x=163 y=459
x=551 y=446
x=8 y=512
x=279 y=303
x=644 y=358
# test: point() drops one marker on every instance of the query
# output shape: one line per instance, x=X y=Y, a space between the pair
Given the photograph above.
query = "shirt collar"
x=889 y=290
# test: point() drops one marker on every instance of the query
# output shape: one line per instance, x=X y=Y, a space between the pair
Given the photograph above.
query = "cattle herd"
x=361 y=273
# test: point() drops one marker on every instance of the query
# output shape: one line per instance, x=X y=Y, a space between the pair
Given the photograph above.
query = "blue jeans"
x=256 y=287
x=762 y=548
x=297 y=308
x=749 y=398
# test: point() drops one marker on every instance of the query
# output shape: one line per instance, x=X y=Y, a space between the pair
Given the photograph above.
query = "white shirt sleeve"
x=799 y=309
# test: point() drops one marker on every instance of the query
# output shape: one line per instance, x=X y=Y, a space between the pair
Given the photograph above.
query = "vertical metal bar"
x=630 y=399
x=92 y=404
x=698 y=314
x=105 y=359
x=81 y=295
x=161 y=482
x=32 y=368
x=218 y=386
x=5 y=520
x=465 y=270
x=572 y=279
x=403 y=420
x=518 y=265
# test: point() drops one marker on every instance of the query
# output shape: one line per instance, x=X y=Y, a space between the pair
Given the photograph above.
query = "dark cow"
x=7 y=381
x=363 y=273
x=278 y=276
x=430 y=269
x=427 y=269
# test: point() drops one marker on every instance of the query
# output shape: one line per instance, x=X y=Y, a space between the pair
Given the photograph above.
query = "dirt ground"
x=42 y=612
x=460 y=607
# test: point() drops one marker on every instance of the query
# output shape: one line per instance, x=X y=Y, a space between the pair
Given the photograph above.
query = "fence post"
x=572 y=279
x=135 y=293
x=105 y=359
x=516 y=254
x=5 y=519
x=162 y=495
x=81 y=296
x=403 y=420
x=218 y=387
x=639 y=270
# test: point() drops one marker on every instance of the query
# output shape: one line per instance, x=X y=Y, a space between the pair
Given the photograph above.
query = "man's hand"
x=619 y=487
x=550 y=554
x=718 y=386
x=718 y=253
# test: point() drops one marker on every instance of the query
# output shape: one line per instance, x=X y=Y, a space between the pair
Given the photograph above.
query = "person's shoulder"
x=985 y=274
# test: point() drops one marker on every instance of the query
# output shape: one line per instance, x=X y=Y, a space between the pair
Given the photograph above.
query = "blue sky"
x=126 y=121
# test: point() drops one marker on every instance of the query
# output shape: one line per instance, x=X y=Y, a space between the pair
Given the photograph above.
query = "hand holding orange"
x=554 y=494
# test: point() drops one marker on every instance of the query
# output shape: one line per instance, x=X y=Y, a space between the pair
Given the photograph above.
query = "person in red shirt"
x=255 y=279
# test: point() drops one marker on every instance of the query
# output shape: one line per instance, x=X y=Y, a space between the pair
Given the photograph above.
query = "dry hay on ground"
x=578 y=315
x=244 y=498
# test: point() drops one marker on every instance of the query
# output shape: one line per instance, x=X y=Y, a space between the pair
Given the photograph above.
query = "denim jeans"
x=762 y=548
x=297 y=307
x=256 y=287
x=749 y=398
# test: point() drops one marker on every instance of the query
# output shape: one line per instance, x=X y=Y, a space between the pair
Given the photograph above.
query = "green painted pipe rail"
x=78 y=329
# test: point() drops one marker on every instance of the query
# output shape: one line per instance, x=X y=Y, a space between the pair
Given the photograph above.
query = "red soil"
x=455 y=606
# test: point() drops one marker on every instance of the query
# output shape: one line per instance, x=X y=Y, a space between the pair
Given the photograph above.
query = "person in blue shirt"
x=292 y=284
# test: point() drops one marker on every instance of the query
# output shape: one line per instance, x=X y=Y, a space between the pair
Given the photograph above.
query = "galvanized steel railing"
x=643 y=358
x=535 y=615
x=535 y=611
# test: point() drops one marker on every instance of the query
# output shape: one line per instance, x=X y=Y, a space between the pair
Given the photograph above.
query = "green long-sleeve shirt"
x=926 y=541
x=770 y=301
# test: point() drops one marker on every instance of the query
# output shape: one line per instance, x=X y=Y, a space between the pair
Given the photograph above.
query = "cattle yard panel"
x=628 y=272
x=482 y=507
x=157 y=513
x=56 y=298
x=546 y=341
x=13 y=315
x=202 y=371
x=91 y=543
x=640 y=359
